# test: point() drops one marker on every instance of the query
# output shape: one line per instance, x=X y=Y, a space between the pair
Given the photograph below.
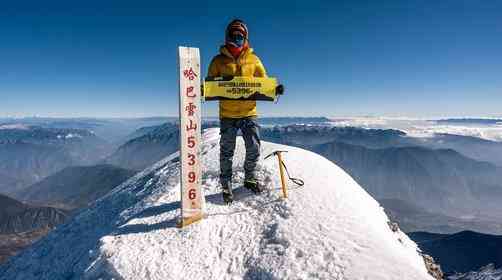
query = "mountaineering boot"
x=226 y=191
x=253 y=186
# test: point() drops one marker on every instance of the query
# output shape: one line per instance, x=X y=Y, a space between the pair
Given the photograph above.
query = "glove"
x=279 y=90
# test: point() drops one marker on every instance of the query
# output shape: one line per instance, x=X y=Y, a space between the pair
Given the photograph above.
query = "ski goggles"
x=238 y=39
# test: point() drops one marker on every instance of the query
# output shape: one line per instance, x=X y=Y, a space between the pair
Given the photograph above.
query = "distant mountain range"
x=411 y=218
x=113 y=130
x=267 y=121
x=76 y=187
x=461 y=252
x=152 y=144
x=309 y=135
x=72 y=188
x=473 y=147
x=150 y=129
x=483 y=121
x=9 y=184
x=28 y=154
x=391 y=165
x=438 y=180
x=21 y=224
x=16 y=217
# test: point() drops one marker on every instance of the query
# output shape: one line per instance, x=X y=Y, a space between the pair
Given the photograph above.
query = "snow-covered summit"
x=328 y=229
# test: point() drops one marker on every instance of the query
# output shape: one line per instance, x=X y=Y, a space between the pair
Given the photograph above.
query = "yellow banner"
x=240 y=88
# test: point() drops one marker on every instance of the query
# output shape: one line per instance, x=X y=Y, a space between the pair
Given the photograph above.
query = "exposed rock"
x=17 y=217
x=433 y=268
x=393 y=226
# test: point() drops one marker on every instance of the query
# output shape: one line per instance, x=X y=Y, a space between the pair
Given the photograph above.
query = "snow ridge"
x=329 y=229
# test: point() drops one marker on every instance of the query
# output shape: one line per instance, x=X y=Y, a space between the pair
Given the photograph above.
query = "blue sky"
x=336 y=58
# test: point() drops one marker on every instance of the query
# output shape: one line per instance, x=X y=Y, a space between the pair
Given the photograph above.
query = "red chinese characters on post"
x=191 y=126
x=190 y=74
x=190 y=93
x=190 y=109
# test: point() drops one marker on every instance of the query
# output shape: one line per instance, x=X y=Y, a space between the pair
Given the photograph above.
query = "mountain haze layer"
x=75 y=187
x=28 y=154
x=146 y=149
x=438 y=180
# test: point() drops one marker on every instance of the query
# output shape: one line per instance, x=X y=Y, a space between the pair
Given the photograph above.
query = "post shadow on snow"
x=240 y=193
x=149 y=212
x=144 y=228
x=158 y=210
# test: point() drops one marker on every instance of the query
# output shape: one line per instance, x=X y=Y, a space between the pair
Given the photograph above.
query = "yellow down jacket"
x=247 y=64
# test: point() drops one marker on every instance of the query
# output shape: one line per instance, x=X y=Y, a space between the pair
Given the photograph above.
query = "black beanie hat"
x=236 y=25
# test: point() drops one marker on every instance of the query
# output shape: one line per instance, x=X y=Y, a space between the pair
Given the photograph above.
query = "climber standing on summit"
x=236 y=58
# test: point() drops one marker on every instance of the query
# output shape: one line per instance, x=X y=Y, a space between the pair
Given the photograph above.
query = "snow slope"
x=328 y=229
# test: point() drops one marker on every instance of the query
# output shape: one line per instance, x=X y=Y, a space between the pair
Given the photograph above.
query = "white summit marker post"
x=192 y=199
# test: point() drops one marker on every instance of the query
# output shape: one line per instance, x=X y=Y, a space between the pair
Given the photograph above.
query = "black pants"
x=250 y=132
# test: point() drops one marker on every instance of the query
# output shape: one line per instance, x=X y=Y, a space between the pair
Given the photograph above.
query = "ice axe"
x=283 y=167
